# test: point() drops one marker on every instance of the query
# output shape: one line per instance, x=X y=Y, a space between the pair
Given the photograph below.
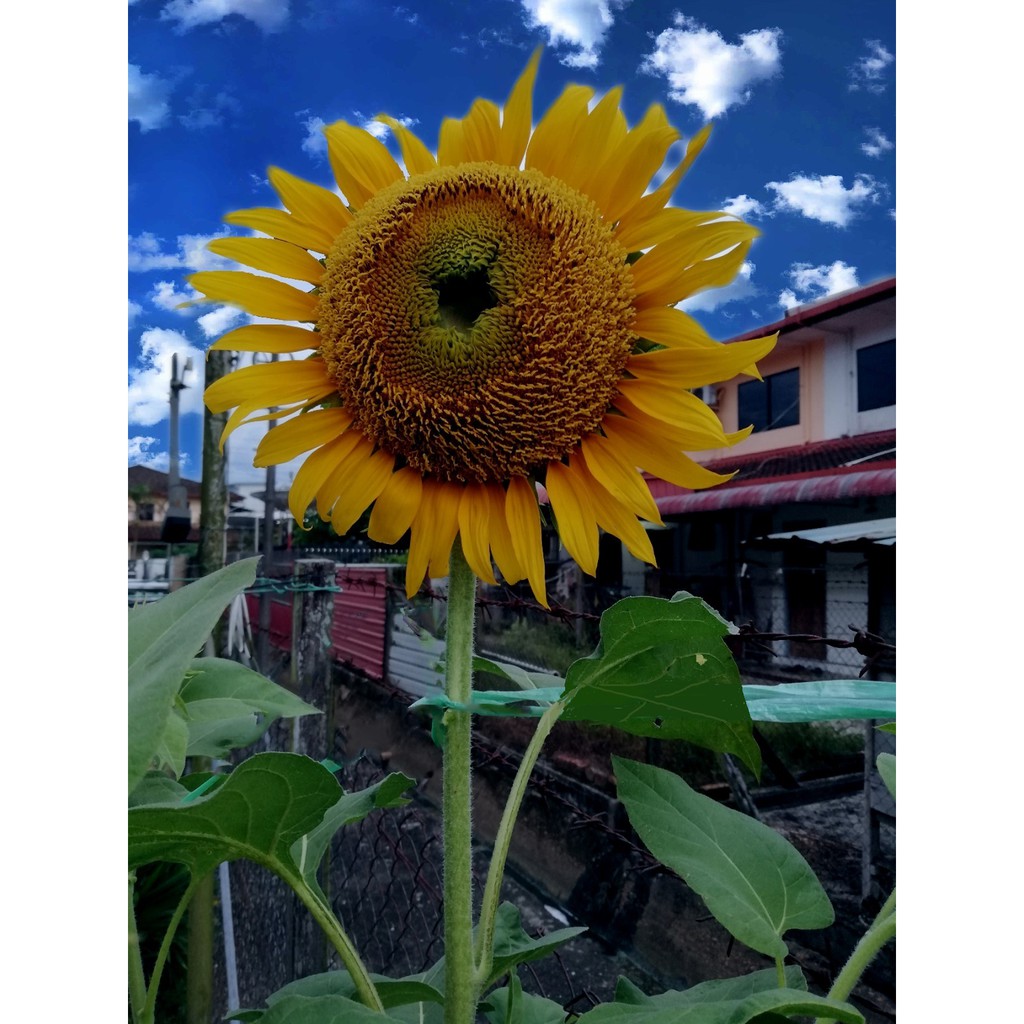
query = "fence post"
x=312 y=616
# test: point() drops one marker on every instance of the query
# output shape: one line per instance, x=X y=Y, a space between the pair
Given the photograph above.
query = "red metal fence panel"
x=359 y=629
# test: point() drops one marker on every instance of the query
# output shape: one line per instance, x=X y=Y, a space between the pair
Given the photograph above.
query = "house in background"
x=802 y=538
x=147 y=509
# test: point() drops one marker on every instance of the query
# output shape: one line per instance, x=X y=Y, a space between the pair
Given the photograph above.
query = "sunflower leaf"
x=753 y=881
x=662 y=669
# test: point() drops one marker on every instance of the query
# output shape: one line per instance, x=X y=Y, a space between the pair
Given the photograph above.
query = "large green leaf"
x=219 y=678
x=172 y=748
x=821 y=700
x=216 y=727
x=754 y=882
x=257 y=813
x=764 y=1004
x=308 y=851
x=328 y=1009
x=163 y=638
x=662 y=669
x=717 y=991
x=407 y=999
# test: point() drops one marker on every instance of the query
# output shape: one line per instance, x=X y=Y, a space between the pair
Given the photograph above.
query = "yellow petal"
x=600 y=133
x=418 y=159
x=672 y=405
x=695 y=367
x=243 y=415
x=553 y=138
x=269 y=384
x=658 y=456
x=612 y=516
x=279 y=224
x=663 y=274
x=480 y=130
x=355 y=484
x=310 y=203
x=330 y=487
x=474 y=525
x=619 y=477
x=260 y=296
x=271 y=255
x=433 y=533
x=634 y=233
x=300 y=434
x=671 y=326
x=451 y=148
x=713 y=273
x=500 y=538
x=577 y=526
x=523 y=517
x=396 y=508
x=312 y=474
x=361 y=163
x=516 y=116
x=267 y=338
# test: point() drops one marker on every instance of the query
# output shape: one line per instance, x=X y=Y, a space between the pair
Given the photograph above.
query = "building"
x=802 y=538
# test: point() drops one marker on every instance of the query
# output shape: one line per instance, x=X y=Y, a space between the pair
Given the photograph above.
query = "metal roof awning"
x=816 y=487
x=877 y=531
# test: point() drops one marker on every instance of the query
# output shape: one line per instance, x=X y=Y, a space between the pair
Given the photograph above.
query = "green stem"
x=882 y=930
x=136 y=974
x=492 y=890
x=457 y=795
x=149 y=1010
x=339 y=939
x=780 y=970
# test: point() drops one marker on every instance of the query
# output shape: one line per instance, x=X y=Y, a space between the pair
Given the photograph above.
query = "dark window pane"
x=753 y=404
x=876 y=376
x=784 y=399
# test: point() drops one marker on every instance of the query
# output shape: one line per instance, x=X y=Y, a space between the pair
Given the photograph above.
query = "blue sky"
x=801 y=94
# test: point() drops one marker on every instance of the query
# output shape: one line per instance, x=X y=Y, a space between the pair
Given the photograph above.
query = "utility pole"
x=178 y=521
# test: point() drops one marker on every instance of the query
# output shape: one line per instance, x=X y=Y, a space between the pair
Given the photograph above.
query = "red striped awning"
x=815 y=487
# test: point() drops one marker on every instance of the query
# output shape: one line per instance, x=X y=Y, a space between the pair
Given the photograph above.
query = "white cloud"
x=315 y=142
x=378 y=129
x=745 y=206
x=822 y=197
x=165 y=295
x=216 y=322
x=208 y=113
x=581 y=24
x=877 y=143
x=869 y=71
x=149 y=381
x=141 y=453
x=811 y=283
x=705 y=71
x=147 y=99
x=134 y=312
x=742 y=287
x=145 y=252
x=268 y=15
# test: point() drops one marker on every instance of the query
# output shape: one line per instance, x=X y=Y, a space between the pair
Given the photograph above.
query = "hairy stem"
x=492 y=890
x=136 y=974
x=460 y=988
x=149 y=1010
x=339 y=939
x=882 y=930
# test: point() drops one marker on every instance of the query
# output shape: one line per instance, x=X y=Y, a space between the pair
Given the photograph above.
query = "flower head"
x=496 y=317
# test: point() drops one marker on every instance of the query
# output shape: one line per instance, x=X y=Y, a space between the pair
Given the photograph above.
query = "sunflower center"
x=476 y=320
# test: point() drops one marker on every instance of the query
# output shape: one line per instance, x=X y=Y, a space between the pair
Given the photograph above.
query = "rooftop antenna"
x=178 y=521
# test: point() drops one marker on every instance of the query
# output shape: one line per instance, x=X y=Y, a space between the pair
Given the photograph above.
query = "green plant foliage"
x=322 y=1010
x=512 y=945
x=163 y=638
x=725 y=990
x=662 y=670
x=514 y=673
x=393 y=992
x=511 y=1005
x=260 y=810
x=887 y=769
x=220 y=679
x=755 y=883
x=309 y=850
x=821 y=700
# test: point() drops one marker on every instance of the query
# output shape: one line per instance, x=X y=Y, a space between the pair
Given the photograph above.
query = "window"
x=771 y=403
x=876 y=376
x=145 y=512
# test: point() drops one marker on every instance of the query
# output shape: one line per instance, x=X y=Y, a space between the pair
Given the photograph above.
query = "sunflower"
x=493 y=318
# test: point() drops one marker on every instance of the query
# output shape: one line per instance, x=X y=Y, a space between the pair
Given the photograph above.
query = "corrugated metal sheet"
x=280 y=618
x=823 y=487
x=878 y=531
x=414 y=661
x=359 y=629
